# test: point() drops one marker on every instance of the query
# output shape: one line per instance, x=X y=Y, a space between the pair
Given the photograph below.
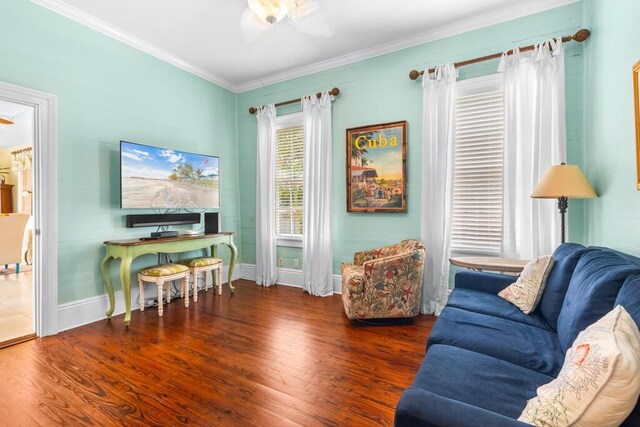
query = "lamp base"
x=563 y=204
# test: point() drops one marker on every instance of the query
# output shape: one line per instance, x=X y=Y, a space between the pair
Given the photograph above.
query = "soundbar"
x=163 y=234
x=157 y=220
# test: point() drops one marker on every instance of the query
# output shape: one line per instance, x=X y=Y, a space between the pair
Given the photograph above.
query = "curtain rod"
x=335 y=92
x=580 y=36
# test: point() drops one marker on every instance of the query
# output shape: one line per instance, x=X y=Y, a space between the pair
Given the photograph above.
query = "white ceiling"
x=19 y=133
x=204 y=36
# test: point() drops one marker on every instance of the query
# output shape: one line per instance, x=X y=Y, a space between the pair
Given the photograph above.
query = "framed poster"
x=376 y=168
x=636 y=97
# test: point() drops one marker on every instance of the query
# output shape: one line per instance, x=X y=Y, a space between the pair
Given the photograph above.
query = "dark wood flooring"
x=263 y=356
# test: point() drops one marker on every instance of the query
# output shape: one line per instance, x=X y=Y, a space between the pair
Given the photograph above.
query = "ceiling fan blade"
x=252 y=26
x=5 y=121
x=307 y=17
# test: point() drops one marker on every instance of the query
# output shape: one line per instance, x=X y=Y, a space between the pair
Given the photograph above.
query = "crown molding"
x=477 y=22
x=133 y=41
x=439 y=33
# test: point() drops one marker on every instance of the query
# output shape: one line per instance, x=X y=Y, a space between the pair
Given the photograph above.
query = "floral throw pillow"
x=598 y=384
x=527 y=291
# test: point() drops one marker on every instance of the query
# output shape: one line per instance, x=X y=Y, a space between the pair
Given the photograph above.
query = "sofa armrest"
x=419 y=407
x=491 y=283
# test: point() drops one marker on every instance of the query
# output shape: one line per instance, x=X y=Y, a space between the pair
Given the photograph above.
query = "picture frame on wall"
x=636 y=97
x=376 y=168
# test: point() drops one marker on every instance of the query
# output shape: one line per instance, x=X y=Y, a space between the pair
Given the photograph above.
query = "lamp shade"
x=563 y=181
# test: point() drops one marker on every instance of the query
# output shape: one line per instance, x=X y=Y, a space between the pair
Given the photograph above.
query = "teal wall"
x=108 y=91
x=610 y=154
x=378 y=90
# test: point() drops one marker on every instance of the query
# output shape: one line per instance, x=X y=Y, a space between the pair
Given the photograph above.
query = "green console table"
x=128 y=250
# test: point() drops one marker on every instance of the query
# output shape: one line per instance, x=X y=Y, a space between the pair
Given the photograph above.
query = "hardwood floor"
x=263 y=356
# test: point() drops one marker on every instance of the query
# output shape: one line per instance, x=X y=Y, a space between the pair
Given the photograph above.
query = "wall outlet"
x=280 y=262
x=296 y=263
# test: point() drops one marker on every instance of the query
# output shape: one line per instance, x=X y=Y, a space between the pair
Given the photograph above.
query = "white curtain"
x=437 y=183
x=534 y=139
x=317 y=251
x=266 y=270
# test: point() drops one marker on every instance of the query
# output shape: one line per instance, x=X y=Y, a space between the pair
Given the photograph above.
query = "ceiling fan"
x=304 y=15
x=5 y=121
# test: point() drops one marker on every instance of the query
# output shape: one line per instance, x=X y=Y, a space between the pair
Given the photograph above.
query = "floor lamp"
x=563 y=182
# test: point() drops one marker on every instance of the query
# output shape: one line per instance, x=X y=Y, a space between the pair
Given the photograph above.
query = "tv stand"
x=128 y=250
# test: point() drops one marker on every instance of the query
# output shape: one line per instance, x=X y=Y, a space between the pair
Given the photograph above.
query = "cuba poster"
x=376 y=168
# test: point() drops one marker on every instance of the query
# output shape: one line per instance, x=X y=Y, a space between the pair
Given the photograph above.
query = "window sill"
x=292 y=242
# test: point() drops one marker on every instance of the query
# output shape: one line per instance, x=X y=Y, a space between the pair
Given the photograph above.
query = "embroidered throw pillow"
x=598 y=384
x=527 y=291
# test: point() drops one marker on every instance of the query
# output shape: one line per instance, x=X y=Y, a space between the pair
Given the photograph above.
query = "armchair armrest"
x=491 y=283
x=352 y=278
x=419 y=407
x=407 y=265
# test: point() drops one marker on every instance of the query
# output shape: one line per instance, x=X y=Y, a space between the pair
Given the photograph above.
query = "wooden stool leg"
x=206 y=275
x=194 y=277
x=168 y=292
x=185 y=284
x=220 y=279
x=141 y=286
x=160 y=289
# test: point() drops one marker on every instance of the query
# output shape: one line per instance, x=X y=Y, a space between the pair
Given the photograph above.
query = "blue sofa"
x=485 y=358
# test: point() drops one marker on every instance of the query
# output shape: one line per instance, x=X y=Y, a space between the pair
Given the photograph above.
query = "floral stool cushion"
x=200 y=262
x=163 y=270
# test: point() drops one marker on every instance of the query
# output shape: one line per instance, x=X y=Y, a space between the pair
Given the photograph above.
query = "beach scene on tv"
x=155 y=177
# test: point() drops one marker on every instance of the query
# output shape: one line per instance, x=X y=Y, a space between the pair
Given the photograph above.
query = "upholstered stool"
x=159 y=274
x=203 y=265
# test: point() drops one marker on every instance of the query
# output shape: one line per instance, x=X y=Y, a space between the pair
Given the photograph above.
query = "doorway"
x=17 y=130
x=34 y=195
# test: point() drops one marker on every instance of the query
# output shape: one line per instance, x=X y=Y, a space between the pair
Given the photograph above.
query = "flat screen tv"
x=159 y=178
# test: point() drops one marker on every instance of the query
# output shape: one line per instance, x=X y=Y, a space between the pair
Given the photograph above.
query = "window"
x=289 y=176
x=477 y=194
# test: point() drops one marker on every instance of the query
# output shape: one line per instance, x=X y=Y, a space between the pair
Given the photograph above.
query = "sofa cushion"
x=527 y=290
x=599 y=383
x=565 y=259
x=478 y=380
x=629 y=297
x=592 y=291
x=523 y=345
x=492 y=304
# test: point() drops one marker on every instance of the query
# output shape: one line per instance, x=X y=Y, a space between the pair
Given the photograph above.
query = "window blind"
x=289 y=176
x=477 y=194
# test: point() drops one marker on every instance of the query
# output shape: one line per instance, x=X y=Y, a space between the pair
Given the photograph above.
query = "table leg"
x=106 y=276
x=125 y=279
x=214 y=279
x=232 y=262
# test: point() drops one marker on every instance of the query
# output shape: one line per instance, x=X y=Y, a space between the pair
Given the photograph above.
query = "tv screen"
x=158 y=178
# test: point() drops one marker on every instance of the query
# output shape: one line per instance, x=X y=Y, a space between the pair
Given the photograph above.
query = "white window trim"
x=283 y=122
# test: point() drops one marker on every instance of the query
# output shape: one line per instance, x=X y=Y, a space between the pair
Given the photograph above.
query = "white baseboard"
x=286 y=277
x=89 y=310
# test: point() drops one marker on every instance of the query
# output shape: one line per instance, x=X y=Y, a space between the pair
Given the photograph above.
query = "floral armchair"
x=384 y=282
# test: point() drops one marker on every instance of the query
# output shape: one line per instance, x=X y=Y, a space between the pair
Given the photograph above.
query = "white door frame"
x=45 y=202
